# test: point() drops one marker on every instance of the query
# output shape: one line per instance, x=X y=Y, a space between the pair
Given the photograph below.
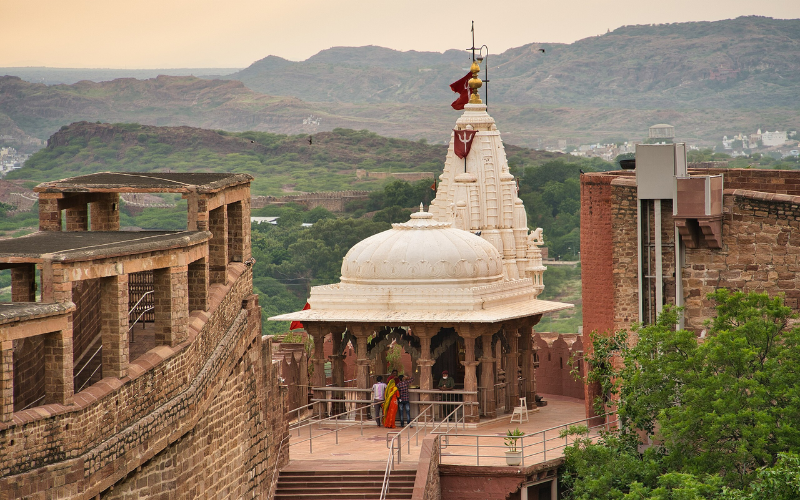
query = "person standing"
x=378 y=389
x=389 y=405
x=404 y=399
x=446 y=383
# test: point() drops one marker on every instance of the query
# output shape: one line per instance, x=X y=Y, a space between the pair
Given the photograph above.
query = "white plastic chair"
x=521 y=410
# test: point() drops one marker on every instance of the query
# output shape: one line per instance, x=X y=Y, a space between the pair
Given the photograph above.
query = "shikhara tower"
x=479 y=194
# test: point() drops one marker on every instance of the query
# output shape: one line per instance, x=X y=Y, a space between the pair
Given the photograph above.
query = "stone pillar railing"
x=171 y=305
x=318 y=332
x=114 y=325
x=78 y=218
x=58 y=374
x=198 y=285
x=487 y=375
x=23 y=283
x=105 y=212
x=218 y=246
x=425 y=363
x=470 y=375
x=49 y=212
x=512 y=368
x=6 y=380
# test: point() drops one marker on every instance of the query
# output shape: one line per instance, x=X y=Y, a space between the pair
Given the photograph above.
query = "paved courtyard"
x=369 y=451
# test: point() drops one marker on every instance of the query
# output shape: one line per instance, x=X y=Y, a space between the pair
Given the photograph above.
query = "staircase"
x=343 y=485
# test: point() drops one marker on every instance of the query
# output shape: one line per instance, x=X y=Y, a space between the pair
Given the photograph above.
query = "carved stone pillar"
x=526 y=348
x=317 y=332
x=6 y=380
x=512 y=368
x=425 y=363
x=337 y=359
x=470 y=375
x=487 y=376
x=337 y=368
x=362 y=332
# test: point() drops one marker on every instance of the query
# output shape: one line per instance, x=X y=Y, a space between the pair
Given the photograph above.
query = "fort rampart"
x=335 y=201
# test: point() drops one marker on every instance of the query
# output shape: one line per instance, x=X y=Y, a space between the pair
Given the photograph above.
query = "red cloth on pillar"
x=296 y=324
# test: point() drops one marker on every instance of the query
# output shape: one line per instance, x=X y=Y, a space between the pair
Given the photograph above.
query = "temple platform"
x=369 y=451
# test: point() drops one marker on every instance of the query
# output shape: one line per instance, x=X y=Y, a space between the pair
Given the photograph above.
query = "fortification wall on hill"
x=405 y=176
x=335 y=201
x=201 y=419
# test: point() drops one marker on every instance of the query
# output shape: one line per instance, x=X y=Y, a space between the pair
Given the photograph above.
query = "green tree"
x=720 y=409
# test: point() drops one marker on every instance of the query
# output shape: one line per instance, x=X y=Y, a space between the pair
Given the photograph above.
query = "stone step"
x=343 y=485
x=346 y=484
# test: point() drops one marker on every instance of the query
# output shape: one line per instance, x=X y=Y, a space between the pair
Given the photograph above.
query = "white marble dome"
x=423 y=252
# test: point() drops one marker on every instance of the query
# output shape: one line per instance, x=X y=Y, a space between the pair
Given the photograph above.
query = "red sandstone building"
x=141 y=370
x=671 y=233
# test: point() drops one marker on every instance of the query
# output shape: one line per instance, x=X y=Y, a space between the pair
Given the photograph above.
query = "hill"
x=748 y=62
x=281 y=163
x=31 y=110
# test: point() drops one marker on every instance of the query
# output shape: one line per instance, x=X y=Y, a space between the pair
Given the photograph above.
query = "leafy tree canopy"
x=721 y=410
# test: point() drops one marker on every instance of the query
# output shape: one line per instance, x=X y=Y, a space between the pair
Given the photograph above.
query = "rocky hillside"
x=748 y=62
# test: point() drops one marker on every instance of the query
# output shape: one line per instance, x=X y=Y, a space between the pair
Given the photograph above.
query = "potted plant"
x=514 y=453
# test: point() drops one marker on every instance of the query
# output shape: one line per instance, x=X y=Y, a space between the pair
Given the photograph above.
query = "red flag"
x=463 y=142
x=462 y=87
x=296 y=324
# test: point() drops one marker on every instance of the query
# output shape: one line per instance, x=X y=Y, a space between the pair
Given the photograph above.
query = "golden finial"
x=475 y=83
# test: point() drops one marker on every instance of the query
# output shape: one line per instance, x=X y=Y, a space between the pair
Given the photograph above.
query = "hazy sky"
x=234 y=33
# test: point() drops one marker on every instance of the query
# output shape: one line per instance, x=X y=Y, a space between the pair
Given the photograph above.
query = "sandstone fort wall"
x=203 y=417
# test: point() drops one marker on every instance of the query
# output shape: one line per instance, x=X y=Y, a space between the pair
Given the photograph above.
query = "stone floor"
x=369 y=451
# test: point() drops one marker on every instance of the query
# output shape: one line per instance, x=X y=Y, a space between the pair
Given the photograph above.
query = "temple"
x=456 y=286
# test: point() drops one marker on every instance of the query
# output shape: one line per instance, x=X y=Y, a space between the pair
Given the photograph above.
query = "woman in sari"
x=390 y=404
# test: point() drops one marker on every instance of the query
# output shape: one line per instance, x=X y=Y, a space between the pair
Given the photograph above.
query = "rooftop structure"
x=662 y=131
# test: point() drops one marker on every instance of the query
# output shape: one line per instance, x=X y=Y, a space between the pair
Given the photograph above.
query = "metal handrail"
x=274 y=484
x=145 y=294
x=32 y=403
x=137 y=320
x=87 y=364
x=522 y=446
x=298 y=409
x=92 y=375
x=335 y=419
x=390 y=461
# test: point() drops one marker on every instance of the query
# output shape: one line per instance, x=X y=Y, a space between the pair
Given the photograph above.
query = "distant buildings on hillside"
x=773 y=142
x=11 y=159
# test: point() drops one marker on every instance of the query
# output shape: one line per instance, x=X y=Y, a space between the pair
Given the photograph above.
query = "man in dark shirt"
x=404 y=399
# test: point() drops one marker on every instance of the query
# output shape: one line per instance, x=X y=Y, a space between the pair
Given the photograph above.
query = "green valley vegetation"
x=721 y=413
